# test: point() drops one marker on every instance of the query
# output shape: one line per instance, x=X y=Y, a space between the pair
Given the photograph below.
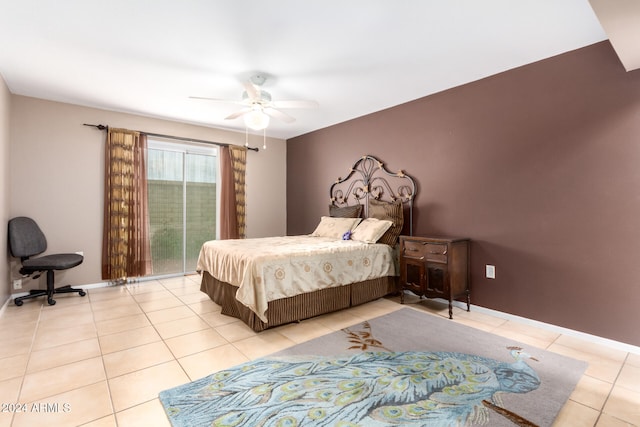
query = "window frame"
x=187 y=147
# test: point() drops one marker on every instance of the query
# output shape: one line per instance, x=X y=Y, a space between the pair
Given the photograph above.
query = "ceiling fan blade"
x=205 y=98
x=226 y=101
x=238 y=113
x=295 y=104
x=254 y=94
x=276 y=114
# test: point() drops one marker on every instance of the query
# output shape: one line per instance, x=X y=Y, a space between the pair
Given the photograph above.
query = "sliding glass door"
x=182 y=204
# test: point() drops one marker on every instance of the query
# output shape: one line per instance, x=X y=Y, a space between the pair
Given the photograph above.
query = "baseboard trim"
x=20 y=294
x=550 y=327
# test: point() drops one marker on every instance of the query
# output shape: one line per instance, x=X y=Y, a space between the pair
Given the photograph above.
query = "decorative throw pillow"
x=390 y=212
x=354 y=211
x=370 y=230
x=334 y=227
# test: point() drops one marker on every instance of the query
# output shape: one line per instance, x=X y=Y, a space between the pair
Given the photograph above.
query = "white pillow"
x=334 y=227
x=370 y=230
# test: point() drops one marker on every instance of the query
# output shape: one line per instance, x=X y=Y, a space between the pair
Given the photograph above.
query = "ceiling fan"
x=258 y=106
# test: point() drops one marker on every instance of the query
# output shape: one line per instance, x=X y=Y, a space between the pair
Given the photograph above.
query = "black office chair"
x=26 y=240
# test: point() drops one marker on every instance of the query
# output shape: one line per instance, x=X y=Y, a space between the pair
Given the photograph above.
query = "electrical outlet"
x=490 y=271
x=17 y=284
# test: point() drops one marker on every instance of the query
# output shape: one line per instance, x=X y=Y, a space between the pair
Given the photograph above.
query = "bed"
x=349 y=259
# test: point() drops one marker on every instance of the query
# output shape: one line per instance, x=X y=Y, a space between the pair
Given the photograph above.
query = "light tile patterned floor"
x=101 y=360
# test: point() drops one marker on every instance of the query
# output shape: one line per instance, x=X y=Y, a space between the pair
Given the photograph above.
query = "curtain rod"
x=180 y=138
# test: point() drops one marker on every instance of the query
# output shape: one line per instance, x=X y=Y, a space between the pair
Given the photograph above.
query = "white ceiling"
x=353 y=57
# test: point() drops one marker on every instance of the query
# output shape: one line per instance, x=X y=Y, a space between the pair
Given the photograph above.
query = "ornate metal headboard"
x=369 y=178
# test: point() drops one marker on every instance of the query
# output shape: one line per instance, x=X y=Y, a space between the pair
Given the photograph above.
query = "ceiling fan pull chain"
x=264 y=138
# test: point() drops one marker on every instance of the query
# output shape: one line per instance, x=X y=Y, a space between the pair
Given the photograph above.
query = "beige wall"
x=5 y=103
x=57 y=176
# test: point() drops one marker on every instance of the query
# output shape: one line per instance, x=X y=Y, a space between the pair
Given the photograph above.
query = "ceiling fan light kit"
x=256 y=119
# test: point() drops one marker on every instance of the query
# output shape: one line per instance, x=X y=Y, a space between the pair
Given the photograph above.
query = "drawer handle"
x=438 y=253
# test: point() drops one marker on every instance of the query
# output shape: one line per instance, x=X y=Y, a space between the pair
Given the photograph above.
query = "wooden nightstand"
x=435 y=267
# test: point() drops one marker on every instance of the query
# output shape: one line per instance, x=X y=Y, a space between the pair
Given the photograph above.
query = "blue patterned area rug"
x=406 y=368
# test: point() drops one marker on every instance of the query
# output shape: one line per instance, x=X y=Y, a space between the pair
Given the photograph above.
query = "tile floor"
x=101 y=360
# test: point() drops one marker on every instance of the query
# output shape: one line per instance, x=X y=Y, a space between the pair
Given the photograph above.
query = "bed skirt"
x=299 y=307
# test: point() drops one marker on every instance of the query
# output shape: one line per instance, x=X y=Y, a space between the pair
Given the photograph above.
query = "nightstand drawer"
x=425 y=250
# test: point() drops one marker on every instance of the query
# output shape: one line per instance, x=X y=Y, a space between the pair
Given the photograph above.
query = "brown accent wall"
x=540 y=166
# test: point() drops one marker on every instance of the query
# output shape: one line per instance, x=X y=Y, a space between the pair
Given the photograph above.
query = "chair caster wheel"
x=51 y=301
x=82 y=293
x=18 y=302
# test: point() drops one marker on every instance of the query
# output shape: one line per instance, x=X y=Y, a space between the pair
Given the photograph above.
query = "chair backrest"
x=25 y=238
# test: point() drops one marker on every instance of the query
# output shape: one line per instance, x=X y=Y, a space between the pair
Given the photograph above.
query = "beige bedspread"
x=270 y=268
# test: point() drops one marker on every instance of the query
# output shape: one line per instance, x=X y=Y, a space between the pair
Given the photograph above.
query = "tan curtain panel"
x=126 y=250
x=239 y=163
x=233 y=161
